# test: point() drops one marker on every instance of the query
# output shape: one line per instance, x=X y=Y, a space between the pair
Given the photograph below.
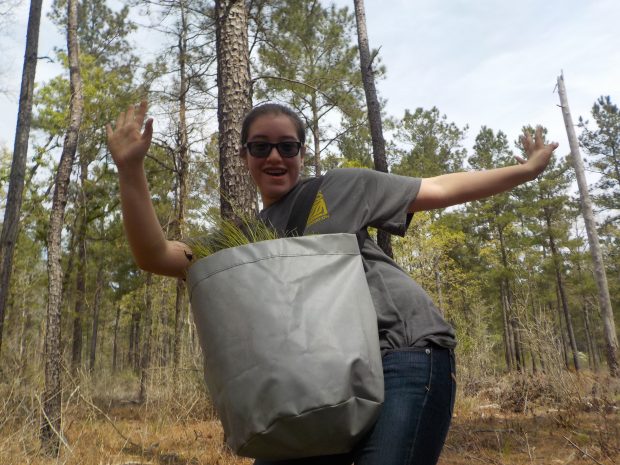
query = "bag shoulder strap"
x=301 y=208
x=296 y=225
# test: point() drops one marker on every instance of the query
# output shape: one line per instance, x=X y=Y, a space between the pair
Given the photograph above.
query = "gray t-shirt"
x=348 y=201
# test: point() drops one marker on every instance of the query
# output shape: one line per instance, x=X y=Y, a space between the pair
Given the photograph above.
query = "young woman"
x=416 y=342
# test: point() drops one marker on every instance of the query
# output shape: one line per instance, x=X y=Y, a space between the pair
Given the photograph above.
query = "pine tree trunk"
x=511 y=341
x=80 y=278
x=508 y=345
x=137 y=344
x=134 y=342
x=129 y=359
x=179 y=310
x=540 y=351
x=10 y=225
x=586 y=322
x=607 y=315
x=26 y=323
x=438 y=285
x=597 y=351
x=518 y=347
x=316 y=135
x=237 y=191
x=165 y=335
x=66 y=279
x=384 y=239
x=182 y=172
x=95 y=330
x=52 y=402
x=589 y=340
x=80 y=300
x=561 y=330
x=195 y=354
x=130 y=350
x=563 y=300
x=148 y=333
x=24 y=281
x=516 y=350
x=115 y=340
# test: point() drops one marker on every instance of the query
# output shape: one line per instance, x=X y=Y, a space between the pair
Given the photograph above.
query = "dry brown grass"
x=513 y=420
x=559 y=419
x=103 y=423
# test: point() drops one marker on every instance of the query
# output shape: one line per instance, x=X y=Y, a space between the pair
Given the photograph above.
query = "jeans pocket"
x=409 y=368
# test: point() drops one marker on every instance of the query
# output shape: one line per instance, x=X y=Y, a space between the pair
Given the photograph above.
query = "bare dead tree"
x=607 y=316
x=374 y=109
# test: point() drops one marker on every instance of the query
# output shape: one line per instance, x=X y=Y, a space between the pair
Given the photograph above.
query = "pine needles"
x=231 y=233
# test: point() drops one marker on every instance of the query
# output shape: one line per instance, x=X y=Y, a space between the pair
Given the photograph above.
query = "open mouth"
x=275 y=172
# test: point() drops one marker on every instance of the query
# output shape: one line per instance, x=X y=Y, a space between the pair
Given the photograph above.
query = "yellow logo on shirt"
x=319 y=210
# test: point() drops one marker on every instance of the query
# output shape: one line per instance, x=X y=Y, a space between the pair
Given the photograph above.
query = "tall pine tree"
x=306 y=60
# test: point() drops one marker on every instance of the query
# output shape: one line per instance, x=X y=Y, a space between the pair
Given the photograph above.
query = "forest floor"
x=543 y=437
x=490 y=429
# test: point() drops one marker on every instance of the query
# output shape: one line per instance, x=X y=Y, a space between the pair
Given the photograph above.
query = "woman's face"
x=274 y=175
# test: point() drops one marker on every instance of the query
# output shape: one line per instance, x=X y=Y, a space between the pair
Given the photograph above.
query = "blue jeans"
x=420 y=388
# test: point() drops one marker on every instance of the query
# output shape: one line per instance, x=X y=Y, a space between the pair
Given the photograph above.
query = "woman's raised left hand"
x=538 y=153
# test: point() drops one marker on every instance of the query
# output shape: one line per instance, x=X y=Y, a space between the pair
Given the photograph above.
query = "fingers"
x=120 y=121
x=526 y=140
x=132 y=115
x=148 y=130
x=108 y=130
x=537 y=142
x=520 y=159
x=538 y=138
x=129 y=116
x=141 y=112
x=551 y=147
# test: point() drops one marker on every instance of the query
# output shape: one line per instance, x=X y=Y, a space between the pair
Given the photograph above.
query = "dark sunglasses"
x=286 y=149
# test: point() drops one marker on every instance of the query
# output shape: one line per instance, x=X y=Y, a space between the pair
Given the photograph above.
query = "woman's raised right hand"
x=126 y=143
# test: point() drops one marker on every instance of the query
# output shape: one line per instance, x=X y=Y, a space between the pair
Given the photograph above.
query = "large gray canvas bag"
x=290 y=341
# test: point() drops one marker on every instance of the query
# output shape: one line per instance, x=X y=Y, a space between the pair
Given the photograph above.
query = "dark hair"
x=272 y=109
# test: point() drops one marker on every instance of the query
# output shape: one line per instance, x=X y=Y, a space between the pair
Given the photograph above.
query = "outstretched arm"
x=149 y=247
x=456 y=188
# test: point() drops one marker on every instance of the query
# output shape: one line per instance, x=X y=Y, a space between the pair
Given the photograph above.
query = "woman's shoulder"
x=346 y=171
x=369 y=175
x=357 y=176
x=349 y=173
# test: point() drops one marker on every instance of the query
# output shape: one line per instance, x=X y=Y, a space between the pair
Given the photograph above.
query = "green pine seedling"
x=230 y=233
